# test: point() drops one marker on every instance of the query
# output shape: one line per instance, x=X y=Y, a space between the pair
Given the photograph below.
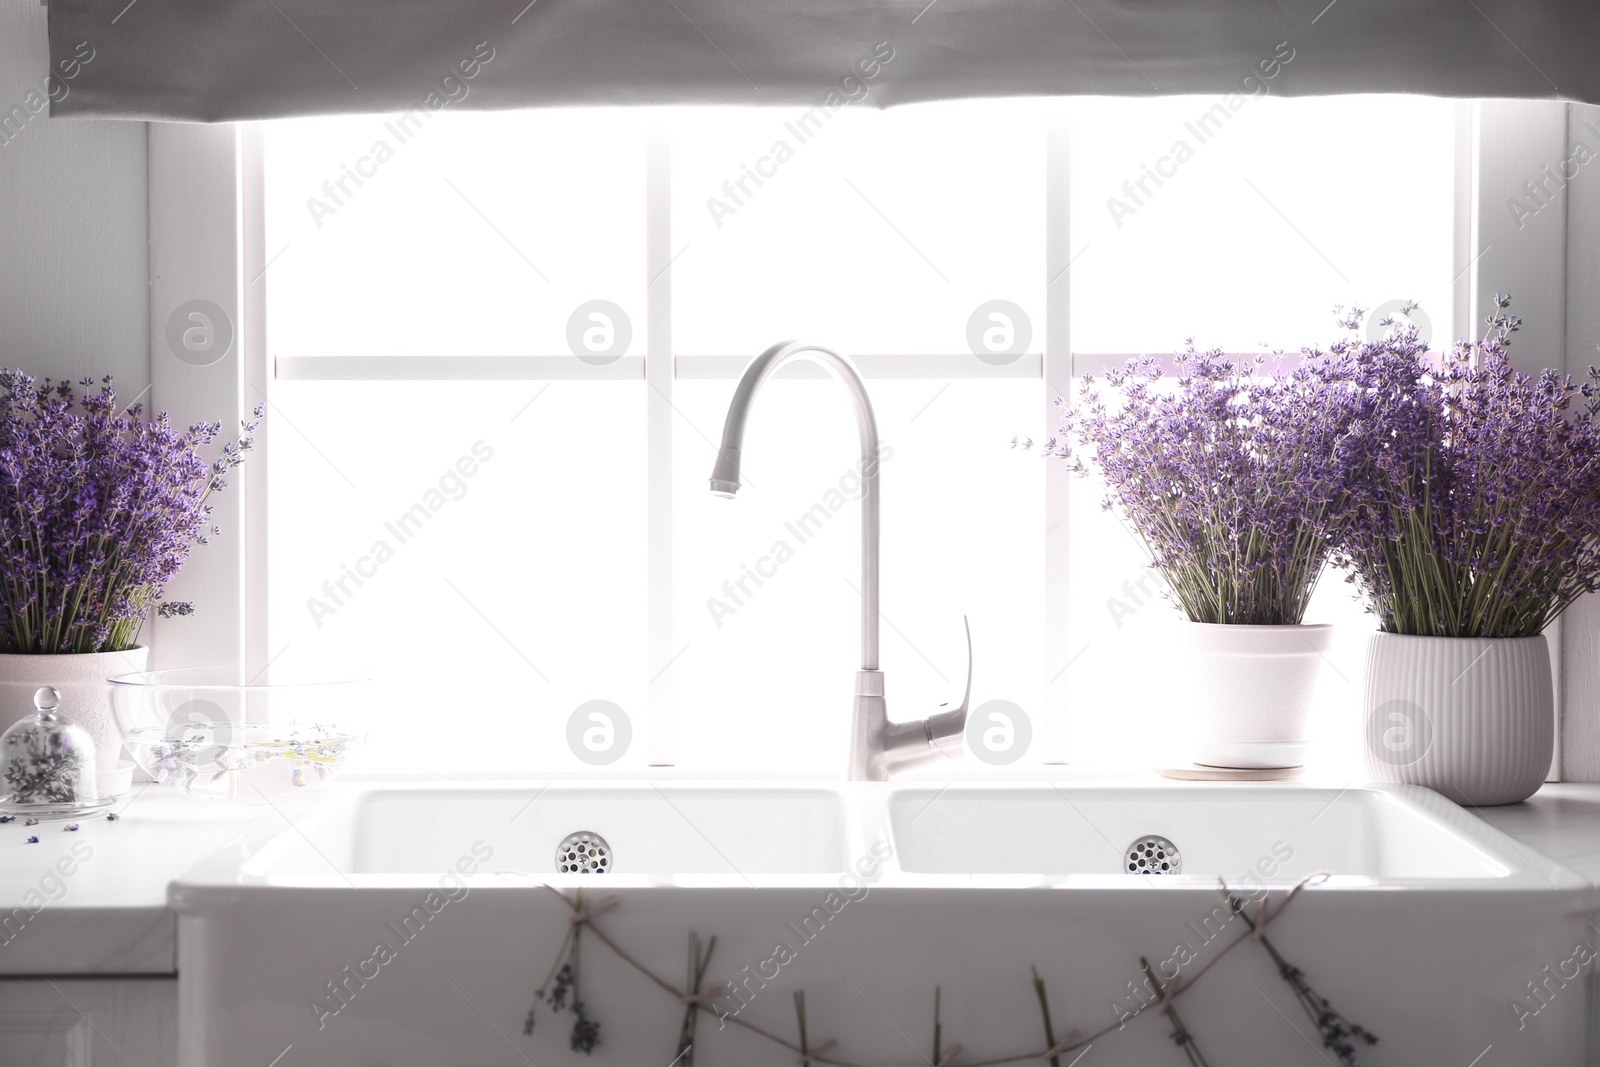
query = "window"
x=1258 y=228
x=504 y=345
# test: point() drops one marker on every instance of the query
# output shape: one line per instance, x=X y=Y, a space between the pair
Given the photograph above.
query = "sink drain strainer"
x=584 y=852
x=1153 y=855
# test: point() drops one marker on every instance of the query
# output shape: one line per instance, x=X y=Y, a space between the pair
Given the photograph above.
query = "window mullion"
x=258 y=388
x=1059 y=651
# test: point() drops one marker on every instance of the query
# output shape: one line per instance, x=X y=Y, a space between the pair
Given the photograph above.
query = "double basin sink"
x=412 y=925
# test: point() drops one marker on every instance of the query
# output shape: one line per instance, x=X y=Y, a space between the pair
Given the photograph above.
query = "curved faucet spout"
x=878 y=748
x=725 y=475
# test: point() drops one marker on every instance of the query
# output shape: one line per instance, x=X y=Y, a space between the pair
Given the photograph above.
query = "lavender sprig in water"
x=98 y=511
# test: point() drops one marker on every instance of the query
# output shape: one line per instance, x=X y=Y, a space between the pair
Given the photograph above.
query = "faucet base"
x=880 y=748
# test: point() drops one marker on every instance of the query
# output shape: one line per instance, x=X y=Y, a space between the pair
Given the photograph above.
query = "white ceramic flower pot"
x=1470 y=717
x=1249 y=691
x=80 y=678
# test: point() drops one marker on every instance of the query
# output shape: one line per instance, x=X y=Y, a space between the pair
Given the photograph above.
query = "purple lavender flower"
x=98 y=511
x=1233 y=474
x=1476 y=489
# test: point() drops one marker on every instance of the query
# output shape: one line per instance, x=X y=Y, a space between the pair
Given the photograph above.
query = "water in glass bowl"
x=213 y=733
x=258 y=762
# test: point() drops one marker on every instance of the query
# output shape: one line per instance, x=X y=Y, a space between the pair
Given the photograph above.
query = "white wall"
x=74 y=231
x=1580 y=736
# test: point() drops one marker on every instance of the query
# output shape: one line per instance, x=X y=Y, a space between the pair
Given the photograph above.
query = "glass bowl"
x=218 y=733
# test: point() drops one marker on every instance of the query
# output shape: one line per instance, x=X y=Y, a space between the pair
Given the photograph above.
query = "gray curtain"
x=224 y=60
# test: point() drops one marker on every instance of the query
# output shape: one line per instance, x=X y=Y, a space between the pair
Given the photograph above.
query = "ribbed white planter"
x=1470 y=717
x=80 y=678
x=1250 y=690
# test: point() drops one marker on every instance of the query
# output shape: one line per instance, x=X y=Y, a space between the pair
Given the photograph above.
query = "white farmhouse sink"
x=656 y=829
x=1063 y=833
x=1427 y=930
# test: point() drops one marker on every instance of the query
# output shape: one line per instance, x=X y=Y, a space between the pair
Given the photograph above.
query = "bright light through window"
x=471 y=234
x=472 y=545
x=881 y=233
x=481 y=546
x=1268 y=216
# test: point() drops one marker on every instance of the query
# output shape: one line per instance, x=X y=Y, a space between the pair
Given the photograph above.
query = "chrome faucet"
x=878 y=747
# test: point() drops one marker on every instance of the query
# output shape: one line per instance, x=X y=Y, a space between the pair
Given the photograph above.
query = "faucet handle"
x=946 y=728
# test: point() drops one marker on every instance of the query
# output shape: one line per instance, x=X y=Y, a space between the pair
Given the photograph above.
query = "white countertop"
x=1561 y=821
x=94 y=900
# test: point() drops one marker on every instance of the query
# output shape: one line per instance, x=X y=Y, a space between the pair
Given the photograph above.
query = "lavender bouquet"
x=1475 y=508
x=98 y=511
x=1233 y=475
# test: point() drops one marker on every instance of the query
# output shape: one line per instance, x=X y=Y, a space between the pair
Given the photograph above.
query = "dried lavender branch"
x=800 y=1017
x=1180 y=1033
x=1044 y=1009
x=1337 y=1032
x=544 y=994
x=834 y=1060
x=699 y=960
x=585 y=1031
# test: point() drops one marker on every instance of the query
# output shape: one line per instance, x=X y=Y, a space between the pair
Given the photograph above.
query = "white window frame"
x=207 y=226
